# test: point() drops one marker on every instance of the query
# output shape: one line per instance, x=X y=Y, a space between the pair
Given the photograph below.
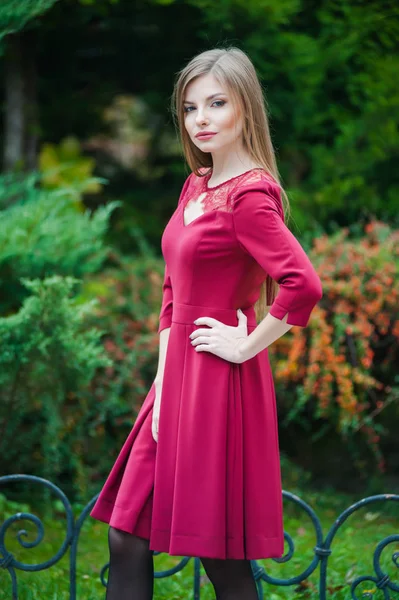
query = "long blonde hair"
x=233 y=69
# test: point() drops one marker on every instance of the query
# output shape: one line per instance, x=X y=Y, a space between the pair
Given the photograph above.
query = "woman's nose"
x=201 y=117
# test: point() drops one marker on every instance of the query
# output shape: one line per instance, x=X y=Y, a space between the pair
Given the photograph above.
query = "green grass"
x=352 y=553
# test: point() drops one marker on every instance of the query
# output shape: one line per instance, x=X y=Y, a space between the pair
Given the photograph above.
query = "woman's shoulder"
x=257 y=188
x=256 y=180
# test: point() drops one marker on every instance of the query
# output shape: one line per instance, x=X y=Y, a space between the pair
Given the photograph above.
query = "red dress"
x=211 y=486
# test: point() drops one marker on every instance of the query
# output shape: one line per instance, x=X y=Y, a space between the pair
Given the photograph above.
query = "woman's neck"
x=232 y=162
x=230 y=167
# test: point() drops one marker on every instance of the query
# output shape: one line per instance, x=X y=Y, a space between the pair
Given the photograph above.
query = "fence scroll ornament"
x=379 y=584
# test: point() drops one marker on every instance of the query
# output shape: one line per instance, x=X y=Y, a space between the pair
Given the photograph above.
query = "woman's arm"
x=261 y=232
x=165 y=315
x=163 y=347
x=165 y=321
x=267 y=332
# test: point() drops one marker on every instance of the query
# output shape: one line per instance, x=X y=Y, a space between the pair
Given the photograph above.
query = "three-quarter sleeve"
x=165 y=315
x=260 y=230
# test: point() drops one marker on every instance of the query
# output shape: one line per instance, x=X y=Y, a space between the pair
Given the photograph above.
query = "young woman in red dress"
x=199 y=474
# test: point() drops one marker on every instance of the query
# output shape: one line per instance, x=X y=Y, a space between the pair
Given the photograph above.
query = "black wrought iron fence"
x=322 y=550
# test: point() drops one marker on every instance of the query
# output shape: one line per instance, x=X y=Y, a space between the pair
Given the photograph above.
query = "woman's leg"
x=131 y=567
x=232 y=579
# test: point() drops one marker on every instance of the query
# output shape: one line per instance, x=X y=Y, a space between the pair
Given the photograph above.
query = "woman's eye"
x=221 y=103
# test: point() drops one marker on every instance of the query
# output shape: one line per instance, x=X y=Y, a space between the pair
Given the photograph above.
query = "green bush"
x=128 y=295
x=337 y=378
x=49 y=352
x=46 y=355
x=43 y=233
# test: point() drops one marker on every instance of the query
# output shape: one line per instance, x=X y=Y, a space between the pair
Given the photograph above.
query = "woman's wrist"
x=267 y=332
x=241 y=350
x=244 y=351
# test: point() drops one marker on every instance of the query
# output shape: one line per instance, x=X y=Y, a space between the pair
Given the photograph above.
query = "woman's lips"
x=208 y=136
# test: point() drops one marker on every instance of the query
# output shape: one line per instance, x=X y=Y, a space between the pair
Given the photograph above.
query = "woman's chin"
x=208 y=146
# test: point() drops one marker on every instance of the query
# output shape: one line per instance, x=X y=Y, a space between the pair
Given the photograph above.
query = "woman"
x=199 y=474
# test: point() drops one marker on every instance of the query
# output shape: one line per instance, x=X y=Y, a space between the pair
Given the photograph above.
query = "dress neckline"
x=205 y=190
x=215 y=187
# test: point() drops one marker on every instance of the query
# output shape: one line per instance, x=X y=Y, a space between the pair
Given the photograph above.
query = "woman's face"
x=208 y=106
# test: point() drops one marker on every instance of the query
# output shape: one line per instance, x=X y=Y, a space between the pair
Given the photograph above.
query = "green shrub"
x=47 y=354
x=128 y=298
x=42 y=233
x=338 y=377
x=50 y=352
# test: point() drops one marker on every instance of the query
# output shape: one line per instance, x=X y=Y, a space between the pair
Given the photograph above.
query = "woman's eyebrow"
x=209 y=98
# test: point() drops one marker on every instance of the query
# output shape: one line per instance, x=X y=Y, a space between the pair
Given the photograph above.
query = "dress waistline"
x=188 y=313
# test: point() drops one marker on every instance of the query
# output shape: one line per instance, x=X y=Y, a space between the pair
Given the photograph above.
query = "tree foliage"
x=328 y=71
x=15 y=14
x=62 y=166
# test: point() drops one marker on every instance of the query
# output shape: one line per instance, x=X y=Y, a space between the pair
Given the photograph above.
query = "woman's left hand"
x=220 y=339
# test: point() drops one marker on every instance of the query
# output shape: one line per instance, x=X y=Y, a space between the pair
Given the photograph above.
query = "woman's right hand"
x=156 y=409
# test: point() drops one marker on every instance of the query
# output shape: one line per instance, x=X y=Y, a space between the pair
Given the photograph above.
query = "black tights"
x=232 y=579
x=131 y=567
x=131 y=571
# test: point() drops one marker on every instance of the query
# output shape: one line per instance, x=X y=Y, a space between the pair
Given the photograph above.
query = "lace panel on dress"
x=220 y=197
